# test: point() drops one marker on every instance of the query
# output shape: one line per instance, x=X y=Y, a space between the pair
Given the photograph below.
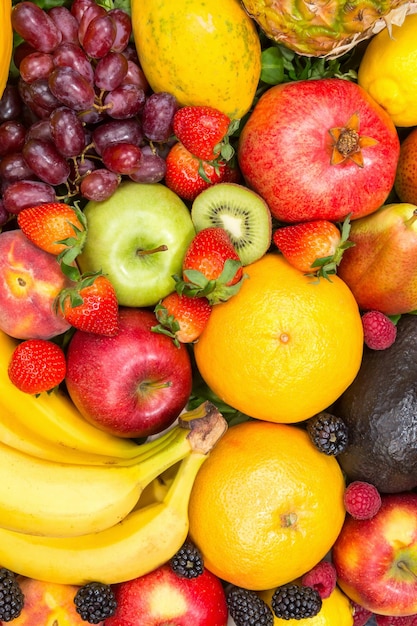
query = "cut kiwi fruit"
x=241 y=212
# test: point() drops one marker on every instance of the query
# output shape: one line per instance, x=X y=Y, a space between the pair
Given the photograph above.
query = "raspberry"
x=322 y=578
x=362 y=500
x=385 y=620
x=360 y=614
x=379 y=331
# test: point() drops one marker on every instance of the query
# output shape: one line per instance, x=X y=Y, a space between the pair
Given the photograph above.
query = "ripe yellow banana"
x=61 y=499
x=54 y=417
x=144 y=540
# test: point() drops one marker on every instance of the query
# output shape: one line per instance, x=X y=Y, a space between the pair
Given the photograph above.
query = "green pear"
x=381 y=268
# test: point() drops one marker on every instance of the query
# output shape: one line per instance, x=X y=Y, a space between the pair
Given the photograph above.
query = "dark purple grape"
x=10 y=103
x=65 y=22
x=125 y=101
x=152 y=167
x=92 y=116
x=122 y=158
x=45 y=160
x=94 y=10
x=135 y=76
x=12 y=137
x=117 y=131
x=42 y=95
x=81 y=166
x=157 y=115
x=25 y=193
x=26 y=96
x=67 y=132
x=71 y=88
x=72 y=55
x=35 y=26
x=123 y=29
x=99 y=36
x=131 y=54
x=13 y=167
x=36 y=65
x=21 y=51
x=99 y=185
x=4 y=214
x=78 y=8
x=110 y=71
x=39 y=130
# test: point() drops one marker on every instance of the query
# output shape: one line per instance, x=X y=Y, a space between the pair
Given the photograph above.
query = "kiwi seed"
x=241 y=212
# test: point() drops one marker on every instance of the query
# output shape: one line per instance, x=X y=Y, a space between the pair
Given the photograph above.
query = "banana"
x=148 y=537
x=54 y=417
x=16 y=435
x=61 y=499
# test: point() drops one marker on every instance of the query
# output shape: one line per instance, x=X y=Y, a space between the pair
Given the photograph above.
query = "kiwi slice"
x=241 y=212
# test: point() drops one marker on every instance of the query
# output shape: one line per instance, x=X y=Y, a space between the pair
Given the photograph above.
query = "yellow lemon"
x=335 y=610
x=6 y=38
x=388 y=71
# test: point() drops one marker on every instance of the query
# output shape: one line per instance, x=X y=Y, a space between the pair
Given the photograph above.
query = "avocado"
x=380 y=411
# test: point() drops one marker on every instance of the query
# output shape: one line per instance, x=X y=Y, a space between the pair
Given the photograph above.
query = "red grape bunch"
x=80 y=117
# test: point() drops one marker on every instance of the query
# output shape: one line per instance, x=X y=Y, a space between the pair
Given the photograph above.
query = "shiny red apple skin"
x=376 y=559
x=285 y=151
x=161 y=598
x=134 y=384
x=381 y=268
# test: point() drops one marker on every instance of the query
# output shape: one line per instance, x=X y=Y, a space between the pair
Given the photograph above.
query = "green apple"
x=138 y=238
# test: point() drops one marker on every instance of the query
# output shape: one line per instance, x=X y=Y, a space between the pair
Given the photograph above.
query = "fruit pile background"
x=208 y=298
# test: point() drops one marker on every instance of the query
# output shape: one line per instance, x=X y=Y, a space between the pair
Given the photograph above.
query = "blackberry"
x=328 y=433
x=295 y=602
x=11 y=596
x=94 y=602
x=248 y=609
x=188 y=561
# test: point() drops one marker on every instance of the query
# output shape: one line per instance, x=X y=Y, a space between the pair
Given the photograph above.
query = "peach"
x=30 y=280
x=48 y=604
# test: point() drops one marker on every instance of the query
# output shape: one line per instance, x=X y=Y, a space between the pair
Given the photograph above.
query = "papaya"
x=203 y=52
x=380 y=411
x=6 y=42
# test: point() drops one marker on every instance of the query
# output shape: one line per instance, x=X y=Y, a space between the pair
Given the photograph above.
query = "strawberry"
x=37 y=365
x=188 y=176
x=91 y=305
x=181 y=317
x=211 y=267
x=55 y=227
x=315 y=247
x=204 y=131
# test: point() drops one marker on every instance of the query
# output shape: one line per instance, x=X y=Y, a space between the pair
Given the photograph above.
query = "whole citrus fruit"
x=266 y=506
x=285 y=346
x=388 y=71
x=336 y=609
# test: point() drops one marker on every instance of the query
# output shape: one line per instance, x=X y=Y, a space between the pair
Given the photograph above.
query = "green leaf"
x=272 y=69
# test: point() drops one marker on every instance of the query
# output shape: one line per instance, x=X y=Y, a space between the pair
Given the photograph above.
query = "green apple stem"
x=411 y=219
x=404 y=567
x=160 y=248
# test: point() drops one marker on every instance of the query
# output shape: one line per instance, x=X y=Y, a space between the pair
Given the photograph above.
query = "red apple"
x=134 y=384
x=161 y=598
x=376 y=559
x=319 y=149
x=381 y=268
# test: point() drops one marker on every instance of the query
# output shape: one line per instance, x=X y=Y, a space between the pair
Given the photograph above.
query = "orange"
x=406 y=175
x=266 y=506
x=285 y=346
x=336 y=610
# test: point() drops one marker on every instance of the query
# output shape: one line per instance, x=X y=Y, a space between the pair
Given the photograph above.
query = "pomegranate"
x=319 y=149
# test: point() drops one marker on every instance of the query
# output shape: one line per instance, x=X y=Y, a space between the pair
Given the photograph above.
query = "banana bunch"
x=71 y=505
